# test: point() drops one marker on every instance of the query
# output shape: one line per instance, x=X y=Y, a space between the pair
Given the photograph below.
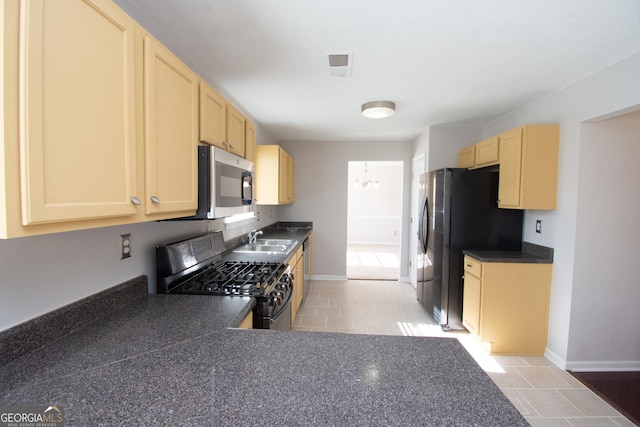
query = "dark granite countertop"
x=257 y=377
x=529 y=254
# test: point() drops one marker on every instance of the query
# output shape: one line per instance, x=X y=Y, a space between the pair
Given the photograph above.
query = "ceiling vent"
x=340 y=64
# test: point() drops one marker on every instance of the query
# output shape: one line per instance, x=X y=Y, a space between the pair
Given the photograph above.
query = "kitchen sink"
x=268 y=246
x=276 y=242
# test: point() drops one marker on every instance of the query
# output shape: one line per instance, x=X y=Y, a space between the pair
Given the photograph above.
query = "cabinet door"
x=171 y=131
x=471 y=303
x=466 y=157
x=250 y=141
x=235 y=131
x=291 y=168
x=510 y=169
x=283 y=176
x=486 y=152
x=213 y=117
x=77 y=111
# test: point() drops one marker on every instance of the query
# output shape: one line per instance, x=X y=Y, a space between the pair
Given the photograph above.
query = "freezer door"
x=427 y=269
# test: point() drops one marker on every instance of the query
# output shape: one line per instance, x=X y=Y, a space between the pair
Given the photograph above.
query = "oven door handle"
x=282 y=318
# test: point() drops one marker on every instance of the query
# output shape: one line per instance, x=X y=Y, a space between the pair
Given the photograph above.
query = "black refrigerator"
x=458 y=211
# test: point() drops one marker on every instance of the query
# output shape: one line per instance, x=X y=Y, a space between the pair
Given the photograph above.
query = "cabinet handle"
x=155 y=199
x=136 y=201
x=225 y=143
x=469 y=265
x=232 y=146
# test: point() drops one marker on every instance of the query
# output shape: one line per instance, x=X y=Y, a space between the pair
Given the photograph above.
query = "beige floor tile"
x=313 y=321
x=505 y=361
x=328 y=311
x=566 y=376
x=510 y=378
x=537 y=361
x=549 y=403
x=622 y=421
x=593 y=422
x=548 y=422
x=338 y=322
x=542 y=377
x=588 y=402
x=519 y=402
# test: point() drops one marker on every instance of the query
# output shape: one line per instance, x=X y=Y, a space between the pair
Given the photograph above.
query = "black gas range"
x=195 y=266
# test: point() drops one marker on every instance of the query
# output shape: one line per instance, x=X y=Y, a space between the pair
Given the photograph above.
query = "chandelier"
x=366 y=182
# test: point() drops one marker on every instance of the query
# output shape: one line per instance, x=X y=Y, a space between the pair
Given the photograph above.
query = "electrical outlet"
x=538 y=226
x=125 y=246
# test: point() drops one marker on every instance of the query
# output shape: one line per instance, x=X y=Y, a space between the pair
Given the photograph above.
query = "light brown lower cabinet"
x=247 y=322
x=506 y=305
x=297 y=269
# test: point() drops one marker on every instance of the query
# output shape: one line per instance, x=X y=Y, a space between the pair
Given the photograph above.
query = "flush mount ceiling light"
x=378 y=109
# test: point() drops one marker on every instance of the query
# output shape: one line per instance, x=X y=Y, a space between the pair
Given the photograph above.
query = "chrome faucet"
x=253 y=235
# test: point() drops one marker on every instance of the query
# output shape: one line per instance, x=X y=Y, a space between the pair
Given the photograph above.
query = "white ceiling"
x=442 y=62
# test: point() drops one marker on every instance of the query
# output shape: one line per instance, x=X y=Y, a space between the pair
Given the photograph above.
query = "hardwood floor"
x=620 y=389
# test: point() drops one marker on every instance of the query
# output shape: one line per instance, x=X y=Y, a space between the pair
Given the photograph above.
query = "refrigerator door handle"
x=424 y=214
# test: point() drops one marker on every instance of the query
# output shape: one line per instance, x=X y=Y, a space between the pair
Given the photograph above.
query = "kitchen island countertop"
x=170 y=360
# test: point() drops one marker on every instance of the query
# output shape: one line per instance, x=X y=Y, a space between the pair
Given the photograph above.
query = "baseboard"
x=374 y=243
x=592 y=365
x=328 y=277
x=604 y=366
x=555 y=359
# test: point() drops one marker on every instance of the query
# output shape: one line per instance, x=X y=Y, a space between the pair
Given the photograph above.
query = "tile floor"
x=380 y=262
x=543 y=393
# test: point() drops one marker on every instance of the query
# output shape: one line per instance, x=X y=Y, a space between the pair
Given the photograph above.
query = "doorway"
x=374 y=220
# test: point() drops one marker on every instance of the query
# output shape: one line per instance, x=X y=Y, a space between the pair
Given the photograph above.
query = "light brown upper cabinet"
x=274 y=173
x=529 y=167
x=223 y=125
x=100 y=121
x=213 y=117
x=480 y=155
x=250 y=141
x=528 y=160
x=467 y=157
x=235 y=131
x=171 y=131
x=77 y=139
x=486 y=153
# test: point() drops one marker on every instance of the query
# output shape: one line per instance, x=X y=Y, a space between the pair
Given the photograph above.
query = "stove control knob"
x=284 y=286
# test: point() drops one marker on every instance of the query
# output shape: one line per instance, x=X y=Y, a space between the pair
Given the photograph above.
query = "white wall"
x=321 y=196
x=375 y=215
x=446 y=141
x=612 y=91
x=606 y=291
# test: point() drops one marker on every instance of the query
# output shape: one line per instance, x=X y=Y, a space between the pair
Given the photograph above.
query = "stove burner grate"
x=235 y=278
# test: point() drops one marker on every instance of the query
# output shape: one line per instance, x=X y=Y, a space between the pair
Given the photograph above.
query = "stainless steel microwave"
x=225 y=184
